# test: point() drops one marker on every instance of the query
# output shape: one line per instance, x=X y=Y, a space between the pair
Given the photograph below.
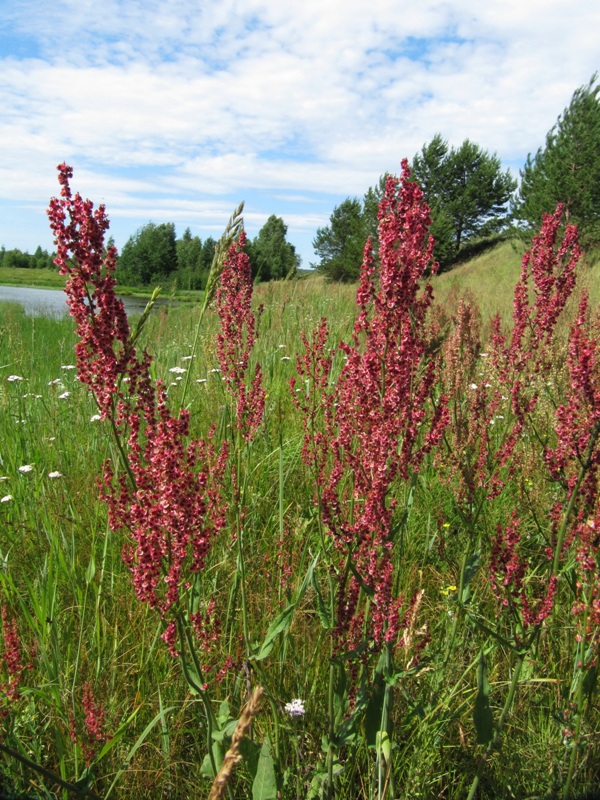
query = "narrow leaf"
x=482 y=713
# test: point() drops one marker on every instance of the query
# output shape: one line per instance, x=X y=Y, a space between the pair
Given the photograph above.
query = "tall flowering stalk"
x=378 y=420
x=525 y=578
x=168 y=496
x=235 y=340
x=381 y=415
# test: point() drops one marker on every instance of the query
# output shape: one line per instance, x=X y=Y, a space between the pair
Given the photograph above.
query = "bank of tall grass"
x=63 y=579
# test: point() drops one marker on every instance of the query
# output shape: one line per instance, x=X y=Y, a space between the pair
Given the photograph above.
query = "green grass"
x=34 y=278
x=62 y=576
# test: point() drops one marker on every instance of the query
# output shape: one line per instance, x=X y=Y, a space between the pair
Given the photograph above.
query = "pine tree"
x=567 y=169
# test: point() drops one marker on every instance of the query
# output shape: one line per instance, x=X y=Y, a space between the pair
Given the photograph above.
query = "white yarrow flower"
x=69 y=366
x=95 y=418
x=178 y=370
x=295 y=708
x=55 y=475
x=13 y=378
x=26 y=468
x=7 y=498
x=64 y=395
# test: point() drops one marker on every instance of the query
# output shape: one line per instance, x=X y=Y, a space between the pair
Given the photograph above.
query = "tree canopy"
x=149 y=256
x=340 y=244
x=466 y=190
x=567 y=169
x=272 y=257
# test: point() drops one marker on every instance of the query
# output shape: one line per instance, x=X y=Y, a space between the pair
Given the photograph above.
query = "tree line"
x=21 y=259
x=473 y=201
x=154 y=255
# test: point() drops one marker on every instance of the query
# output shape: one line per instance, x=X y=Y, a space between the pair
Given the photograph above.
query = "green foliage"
x=340 y=245
x=272 y=257
x=18 y=259
x=467 y=193
x=567 y=169
x=149 y=256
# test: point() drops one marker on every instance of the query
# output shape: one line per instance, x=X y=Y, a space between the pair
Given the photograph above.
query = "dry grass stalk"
x=232 y=756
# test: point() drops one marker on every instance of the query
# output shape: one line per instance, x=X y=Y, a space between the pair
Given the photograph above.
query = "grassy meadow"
x=479 y=695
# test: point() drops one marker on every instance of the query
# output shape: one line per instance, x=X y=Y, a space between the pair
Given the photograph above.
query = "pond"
x=53 y=302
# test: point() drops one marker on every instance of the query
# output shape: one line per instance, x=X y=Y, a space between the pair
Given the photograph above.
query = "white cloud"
x=166 y=108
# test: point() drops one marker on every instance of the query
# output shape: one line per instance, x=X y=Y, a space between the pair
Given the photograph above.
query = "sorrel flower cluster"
x=13 y=662
x=93 y=728
x=104 y=354
x=236 y=338
x=167 y=493
x=379 y=417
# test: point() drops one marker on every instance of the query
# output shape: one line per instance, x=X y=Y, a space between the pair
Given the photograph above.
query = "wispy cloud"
x=171 y=113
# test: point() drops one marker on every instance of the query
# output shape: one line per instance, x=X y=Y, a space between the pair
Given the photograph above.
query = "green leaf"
x=482 y=713
x=375 y=705
x=383 y=745
x=471 y=568
x=264 y=786
x=283 y=622
x=207 y=767
x=91 y=570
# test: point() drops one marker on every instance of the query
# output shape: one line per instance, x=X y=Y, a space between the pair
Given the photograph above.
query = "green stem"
x=579 y=704
x=185 y=639
x=498 y=730
x=240 y=548
x=46 y=773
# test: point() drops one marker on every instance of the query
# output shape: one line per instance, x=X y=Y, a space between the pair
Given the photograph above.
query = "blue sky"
x=174 y=111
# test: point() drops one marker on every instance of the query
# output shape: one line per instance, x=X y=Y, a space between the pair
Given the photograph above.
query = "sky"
x=175 y=111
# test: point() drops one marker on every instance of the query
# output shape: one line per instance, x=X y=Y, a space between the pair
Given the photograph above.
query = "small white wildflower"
x=51 y=438
x=484 y=355
x=55 y=382
x=215 y=370
x=488 y=386
x=6 y=498
x=186 y=358
x=200 y=380
x=285 y=358
x=26 y=468
x=55 y=474
x=13 y=378
x=95 y=418
x=69 y=366
x=178 y=370
x=3 y=478
x=64 y=395
x=295 y=708
x=473 y=386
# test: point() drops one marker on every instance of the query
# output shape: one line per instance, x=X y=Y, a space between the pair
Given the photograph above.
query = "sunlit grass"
x=62 y=572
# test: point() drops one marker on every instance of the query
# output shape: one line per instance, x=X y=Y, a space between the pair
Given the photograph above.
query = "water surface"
x=53 y=302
